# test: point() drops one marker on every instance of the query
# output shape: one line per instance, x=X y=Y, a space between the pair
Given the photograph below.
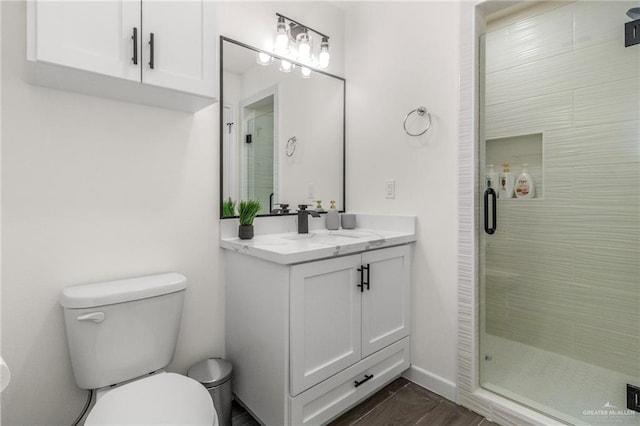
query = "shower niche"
x=513 y=152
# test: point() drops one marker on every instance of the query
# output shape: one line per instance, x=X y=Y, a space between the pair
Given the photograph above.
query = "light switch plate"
x=390 y=188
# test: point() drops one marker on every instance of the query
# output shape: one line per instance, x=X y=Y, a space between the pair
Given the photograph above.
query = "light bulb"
x=306 y=72
x=264 y=59
x=281 y=45
x=285 y=66
x=304 y=48
x=323 y=57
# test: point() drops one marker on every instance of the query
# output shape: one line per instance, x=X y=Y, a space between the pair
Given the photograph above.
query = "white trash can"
x=215 y=375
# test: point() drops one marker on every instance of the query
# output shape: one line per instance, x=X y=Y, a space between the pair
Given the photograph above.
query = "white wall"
x=400 y=56
x=96 y=189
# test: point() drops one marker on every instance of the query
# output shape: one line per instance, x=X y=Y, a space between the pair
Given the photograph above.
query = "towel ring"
x=421 y=112
x=290 y=147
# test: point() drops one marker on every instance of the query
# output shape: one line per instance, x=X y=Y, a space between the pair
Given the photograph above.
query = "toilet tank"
x=120 y=330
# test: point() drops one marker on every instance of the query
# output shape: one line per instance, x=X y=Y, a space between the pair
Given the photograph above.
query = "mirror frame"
x=224 y=39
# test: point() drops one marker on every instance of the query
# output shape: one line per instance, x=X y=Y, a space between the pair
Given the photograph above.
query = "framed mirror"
x=282 y=134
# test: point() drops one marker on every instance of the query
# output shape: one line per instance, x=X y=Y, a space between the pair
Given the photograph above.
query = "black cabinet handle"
x=362 y=281
x=368 y=276
x=134 y=37
x=366 y=379
x=494 y=223
x=151 y=45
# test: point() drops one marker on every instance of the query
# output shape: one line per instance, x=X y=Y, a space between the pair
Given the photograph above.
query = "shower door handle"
x=490 y=193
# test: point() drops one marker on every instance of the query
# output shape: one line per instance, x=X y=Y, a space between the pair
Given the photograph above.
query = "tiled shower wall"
x=259 y=182
x=563 y=269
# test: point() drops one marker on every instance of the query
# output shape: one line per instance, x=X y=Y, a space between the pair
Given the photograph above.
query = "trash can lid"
x=211 y=372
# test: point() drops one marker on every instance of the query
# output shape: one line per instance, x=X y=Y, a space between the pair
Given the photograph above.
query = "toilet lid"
x=161 y=399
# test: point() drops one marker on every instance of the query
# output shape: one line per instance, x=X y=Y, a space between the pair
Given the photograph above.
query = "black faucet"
x=303 y=218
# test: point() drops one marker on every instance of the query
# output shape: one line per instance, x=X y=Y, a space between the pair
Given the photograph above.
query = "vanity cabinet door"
x=324 y=320
x=182 y=55
x=385 y=301
x=94 y=36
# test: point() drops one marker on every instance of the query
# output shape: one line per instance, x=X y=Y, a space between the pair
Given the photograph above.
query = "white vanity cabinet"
x=310 y=340
x=157 y=52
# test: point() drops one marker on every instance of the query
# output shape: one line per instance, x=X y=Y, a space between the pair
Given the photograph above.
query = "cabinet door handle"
x=366 y=379
x=134 y=37
x=368 y=281
x=151 y=45
x=362 y=281
x=490 y=193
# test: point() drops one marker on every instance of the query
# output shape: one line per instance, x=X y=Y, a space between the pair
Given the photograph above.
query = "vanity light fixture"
x=294 y=41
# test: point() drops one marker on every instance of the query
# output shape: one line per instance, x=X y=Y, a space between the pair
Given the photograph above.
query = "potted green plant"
x=228 y=208
x=247 y=211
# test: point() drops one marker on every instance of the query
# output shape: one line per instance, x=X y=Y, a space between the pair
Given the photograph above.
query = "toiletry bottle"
x=319 y=208
x=491 y=178
x=505 y=182
x=524 y=185
x=333 y=218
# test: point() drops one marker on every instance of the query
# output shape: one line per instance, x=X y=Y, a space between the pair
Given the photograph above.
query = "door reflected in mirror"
x=282 y=133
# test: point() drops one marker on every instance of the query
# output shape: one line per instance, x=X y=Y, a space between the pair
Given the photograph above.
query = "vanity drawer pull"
x=367 y=377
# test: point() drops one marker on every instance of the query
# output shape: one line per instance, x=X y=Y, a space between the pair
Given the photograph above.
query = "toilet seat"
x=164 y=398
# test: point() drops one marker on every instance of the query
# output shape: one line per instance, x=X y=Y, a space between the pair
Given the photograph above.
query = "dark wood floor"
x=399 y=403
x=240 y=416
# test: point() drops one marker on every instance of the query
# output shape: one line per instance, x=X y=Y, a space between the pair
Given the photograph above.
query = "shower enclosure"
x=258 y=179
x=559 y=273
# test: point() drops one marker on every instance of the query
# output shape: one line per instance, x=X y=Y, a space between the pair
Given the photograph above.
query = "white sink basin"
x=351 y=234
x=299 y=236
x=330 y=236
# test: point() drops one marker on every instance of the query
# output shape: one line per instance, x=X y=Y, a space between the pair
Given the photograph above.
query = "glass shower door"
x=258 y=177
x=560 y=280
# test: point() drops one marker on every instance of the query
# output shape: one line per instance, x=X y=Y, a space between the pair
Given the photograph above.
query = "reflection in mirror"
x=282 y=133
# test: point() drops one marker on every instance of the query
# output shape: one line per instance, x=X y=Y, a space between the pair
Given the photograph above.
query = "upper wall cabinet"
x=152 y=52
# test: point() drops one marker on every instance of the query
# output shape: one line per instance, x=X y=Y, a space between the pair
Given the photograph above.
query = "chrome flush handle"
x=96 y=317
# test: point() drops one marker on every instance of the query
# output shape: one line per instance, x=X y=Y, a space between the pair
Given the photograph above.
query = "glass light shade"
x=324 y=56
x=306 y=72
x=264 y=59
x=281 y=44
x=304 y=48
x=285 y=66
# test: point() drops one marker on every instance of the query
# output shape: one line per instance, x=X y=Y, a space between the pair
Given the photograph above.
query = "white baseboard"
x=433 y=382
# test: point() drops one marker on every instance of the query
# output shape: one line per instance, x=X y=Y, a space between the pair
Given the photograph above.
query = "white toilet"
x=121 y=335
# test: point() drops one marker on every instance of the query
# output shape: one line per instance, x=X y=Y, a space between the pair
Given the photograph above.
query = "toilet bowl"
x=163 y=398
x=121 y=335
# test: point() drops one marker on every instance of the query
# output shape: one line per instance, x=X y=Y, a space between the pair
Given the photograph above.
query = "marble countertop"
x=289 y=248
